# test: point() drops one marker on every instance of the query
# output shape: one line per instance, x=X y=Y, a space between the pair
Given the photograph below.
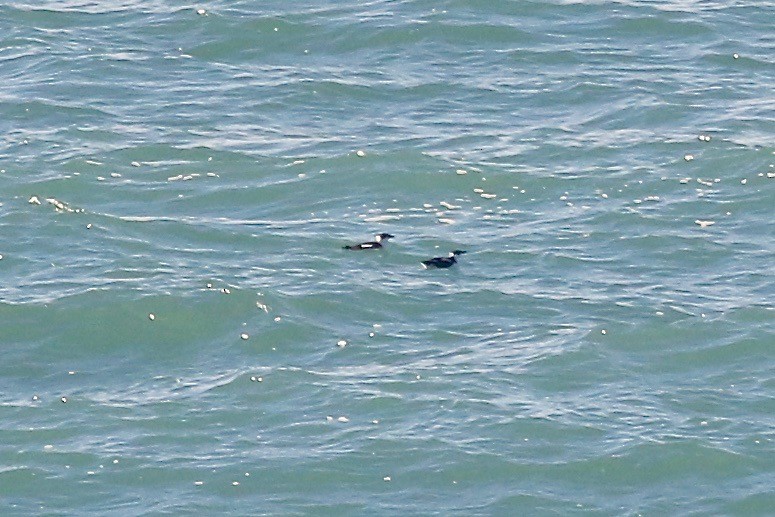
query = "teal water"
x=176 y=188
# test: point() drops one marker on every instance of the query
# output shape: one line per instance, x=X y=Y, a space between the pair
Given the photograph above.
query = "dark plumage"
x=442 y=262
x=375 y=244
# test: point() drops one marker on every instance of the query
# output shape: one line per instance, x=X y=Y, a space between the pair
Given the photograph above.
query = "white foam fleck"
x=382 y=218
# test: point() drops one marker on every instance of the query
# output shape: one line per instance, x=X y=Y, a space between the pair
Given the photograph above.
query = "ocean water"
x=182 y=332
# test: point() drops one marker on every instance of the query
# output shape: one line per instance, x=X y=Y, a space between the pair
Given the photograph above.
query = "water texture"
x=182 y=332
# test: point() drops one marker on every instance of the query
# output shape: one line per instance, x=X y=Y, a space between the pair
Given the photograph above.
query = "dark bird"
x=442 y=262
x=375 y=244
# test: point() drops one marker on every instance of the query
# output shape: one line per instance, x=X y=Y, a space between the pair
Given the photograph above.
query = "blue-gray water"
x=176 y=188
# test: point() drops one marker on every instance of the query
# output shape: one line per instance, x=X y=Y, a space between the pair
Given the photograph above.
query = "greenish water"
x=176 y=189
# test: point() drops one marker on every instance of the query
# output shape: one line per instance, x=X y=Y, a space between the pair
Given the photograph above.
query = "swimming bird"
x=375 y=244
x=442 y=262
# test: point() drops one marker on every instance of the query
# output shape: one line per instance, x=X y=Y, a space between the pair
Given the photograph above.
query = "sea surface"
x=182 y=332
